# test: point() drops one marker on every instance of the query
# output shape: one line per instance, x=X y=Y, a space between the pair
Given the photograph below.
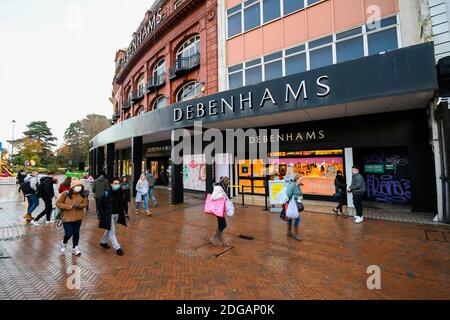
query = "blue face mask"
x=116 y=187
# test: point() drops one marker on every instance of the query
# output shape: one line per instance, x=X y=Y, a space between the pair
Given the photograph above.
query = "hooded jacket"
x=101 y=184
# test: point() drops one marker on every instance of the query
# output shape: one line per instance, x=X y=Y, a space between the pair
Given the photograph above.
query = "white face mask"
x=77 y=189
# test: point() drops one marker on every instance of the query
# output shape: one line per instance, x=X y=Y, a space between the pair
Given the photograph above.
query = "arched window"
x=160 y=102
x=159 y=72
x=189 y=47
x=141 y=86
x=140 y=111
x=189 y=91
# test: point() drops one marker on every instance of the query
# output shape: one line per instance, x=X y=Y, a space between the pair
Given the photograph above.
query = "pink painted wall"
x=329 y=16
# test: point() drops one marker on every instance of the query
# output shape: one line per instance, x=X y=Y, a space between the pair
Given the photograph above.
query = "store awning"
x=397 y=80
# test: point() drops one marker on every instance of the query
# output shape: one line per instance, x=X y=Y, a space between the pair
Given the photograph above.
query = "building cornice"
x=165 y=26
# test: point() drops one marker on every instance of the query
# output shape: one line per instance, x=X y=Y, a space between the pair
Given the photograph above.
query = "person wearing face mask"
x=72 y=204
x=114 y=213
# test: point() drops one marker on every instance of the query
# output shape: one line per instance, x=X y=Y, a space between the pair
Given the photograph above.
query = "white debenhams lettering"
x=293 y=93
x=224 y=103
x=249 y=99
x=324 y=86
x=302 y=87
x=177 y=114
x=189 y=112
x=186 y=310
x=267 y=95
x=212 y=106
x=200 y=107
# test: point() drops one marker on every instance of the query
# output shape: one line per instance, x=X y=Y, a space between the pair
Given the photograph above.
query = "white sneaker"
x=47 y=222
x=35 y=223
x=76 y=252
x=359 y=219
x=62 y=247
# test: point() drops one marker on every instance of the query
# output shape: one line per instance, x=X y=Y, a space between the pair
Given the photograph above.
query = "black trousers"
x=341 y=202
x=47 y=210
x=357 y=201
x=222 y=223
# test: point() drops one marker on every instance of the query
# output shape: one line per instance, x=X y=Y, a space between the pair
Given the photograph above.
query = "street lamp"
x=12 y=141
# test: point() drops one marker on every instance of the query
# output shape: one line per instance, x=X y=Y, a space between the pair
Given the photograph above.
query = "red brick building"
x=171 y=58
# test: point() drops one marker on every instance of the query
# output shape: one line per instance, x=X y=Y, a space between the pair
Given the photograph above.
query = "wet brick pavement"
x=167 y=256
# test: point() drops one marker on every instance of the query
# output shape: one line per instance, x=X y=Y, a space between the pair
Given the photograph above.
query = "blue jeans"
x=33 y=203
x=151 y=193
x=72 y=229
x=296 y=222
x=145 y=199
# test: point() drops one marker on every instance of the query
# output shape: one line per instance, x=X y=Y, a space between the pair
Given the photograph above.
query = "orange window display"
x=318 y=172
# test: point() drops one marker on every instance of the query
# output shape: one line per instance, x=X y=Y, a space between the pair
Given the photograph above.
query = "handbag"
x=215 y=207
x=292 y=209
x=229 y=208
x=300 y=206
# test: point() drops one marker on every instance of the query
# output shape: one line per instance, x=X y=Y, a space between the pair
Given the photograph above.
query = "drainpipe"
x=443 y=176
x=436 y=142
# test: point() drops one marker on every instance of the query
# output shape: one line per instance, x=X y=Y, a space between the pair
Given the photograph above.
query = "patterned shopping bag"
x=215 y=207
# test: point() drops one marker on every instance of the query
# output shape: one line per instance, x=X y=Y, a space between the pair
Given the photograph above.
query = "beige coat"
x=68 y=213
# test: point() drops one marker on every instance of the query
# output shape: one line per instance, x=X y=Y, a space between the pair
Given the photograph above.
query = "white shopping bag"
x=282 y=195
x=292 y=210
x=229 y=208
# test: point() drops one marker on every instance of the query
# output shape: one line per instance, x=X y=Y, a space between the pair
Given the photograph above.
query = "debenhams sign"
x=148 y=28
x=291 y=92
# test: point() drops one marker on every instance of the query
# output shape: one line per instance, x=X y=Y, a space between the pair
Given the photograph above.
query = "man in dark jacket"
x=113 y=203
x=46 y=192
x=357 y=188
x=101 y=184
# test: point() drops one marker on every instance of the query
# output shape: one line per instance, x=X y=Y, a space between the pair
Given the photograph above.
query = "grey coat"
x=358 y=185
x=101 y=184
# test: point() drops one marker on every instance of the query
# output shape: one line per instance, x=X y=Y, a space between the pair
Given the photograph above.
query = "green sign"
x=374 y=168
x=389 y=167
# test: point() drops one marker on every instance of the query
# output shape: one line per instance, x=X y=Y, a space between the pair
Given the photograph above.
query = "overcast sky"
x=57 y=59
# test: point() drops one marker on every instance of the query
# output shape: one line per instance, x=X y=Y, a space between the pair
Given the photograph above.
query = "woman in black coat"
x=340 y=195
x=113 y=202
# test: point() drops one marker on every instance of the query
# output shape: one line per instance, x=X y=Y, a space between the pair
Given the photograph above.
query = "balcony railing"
x=137 y=95
x=184 y=65
x=126 y=104
x=115 y=116
x=155 y=82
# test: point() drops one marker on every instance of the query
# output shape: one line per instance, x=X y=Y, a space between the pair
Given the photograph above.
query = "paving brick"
x=167 y=256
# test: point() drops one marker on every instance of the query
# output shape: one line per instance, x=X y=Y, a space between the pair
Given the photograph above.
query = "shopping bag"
x=229 y=208
x=292 y=210
x=57 y=214
x=283 y=211
x=282 y=195
x=215 y=207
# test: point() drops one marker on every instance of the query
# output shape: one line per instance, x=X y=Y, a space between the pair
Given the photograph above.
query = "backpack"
x=25 y=187
x=41 y=189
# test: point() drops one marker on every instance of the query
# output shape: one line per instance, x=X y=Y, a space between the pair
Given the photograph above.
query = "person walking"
x=65 y=186
x=127 y=194
x=340 y=186
x=29 y=189
x=357 y=189
x=151 y=187
x=86 y=185
x=294 y=191
x=46 y=192
x=100 y=185
x=220 y=191
x=114 y=213
x=142 y=194
x=72 y=204
x=21 y=175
